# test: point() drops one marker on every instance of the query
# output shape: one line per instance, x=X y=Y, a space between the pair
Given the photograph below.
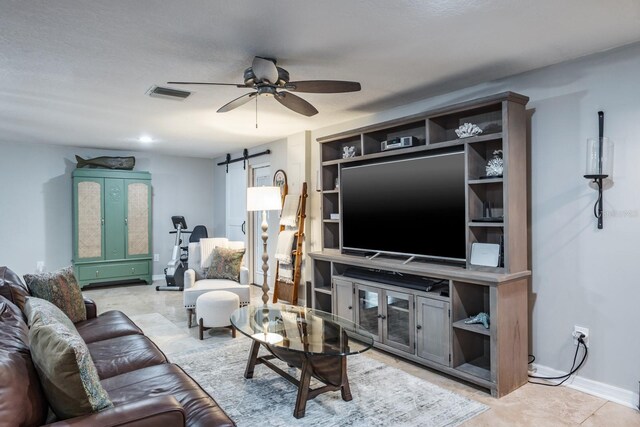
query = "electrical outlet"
x=40 y=266
x=577 y=330
x=156 y=257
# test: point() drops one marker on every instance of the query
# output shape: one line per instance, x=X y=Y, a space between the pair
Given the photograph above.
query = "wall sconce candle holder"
x=599 y=164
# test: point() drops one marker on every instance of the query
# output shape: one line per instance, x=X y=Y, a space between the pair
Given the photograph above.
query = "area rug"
x=382 y=395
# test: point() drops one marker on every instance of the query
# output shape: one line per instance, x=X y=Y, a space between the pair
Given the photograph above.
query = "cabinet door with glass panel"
x=387 y=315
x=397 y=320
x=369 y=310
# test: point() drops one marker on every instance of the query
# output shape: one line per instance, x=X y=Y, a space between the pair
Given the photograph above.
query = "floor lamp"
x=264 y=199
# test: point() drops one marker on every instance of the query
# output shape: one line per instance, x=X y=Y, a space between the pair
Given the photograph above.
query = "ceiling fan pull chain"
x=256 y=112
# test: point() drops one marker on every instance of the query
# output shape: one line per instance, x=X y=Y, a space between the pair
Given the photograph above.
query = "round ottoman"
x=214 y=309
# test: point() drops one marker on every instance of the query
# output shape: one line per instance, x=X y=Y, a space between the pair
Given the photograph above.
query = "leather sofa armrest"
x=163 y=411
x=92 y=310
x=244 y=276
x=189 y=278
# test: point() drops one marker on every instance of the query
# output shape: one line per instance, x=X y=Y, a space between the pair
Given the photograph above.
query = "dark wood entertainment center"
x=425 y=324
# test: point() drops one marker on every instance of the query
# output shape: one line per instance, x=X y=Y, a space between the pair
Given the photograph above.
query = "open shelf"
x=323 y=290
x=330 y=204
x=372 y=141
x=476 y=327
x=479 y=367
x=485 y=224
x=334 y=149
x=329 y=176
x=472 y=353
x=485 y=181
x=469 y=300
x=488 y=118
x=472 y=139
x=478 y=156
x=322 y=301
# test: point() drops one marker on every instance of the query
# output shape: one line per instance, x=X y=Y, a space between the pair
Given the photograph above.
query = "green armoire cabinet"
x=111 y=226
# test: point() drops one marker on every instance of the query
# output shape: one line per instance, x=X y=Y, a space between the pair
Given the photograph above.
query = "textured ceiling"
x=76 y=73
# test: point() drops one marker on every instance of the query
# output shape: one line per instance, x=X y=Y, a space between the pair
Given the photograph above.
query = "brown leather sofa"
x=145 y=388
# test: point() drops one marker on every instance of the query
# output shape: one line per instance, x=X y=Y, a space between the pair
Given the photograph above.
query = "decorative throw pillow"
x=60 y=288
x=67 y=373
x=38 y=309
x=225 y=264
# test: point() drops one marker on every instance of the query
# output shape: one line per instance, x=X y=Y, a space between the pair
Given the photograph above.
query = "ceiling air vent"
x=168 y=93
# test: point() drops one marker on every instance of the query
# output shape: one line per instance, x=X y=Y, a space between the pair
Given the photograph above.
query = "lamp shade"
x=263 y=199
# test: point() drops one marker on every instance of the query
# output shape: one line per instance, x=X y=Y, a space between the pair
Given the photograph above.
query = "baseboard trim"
x=595 y=388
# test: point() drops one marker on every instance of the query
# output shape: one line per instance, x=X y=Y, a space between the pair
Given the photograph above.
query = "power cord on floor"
x=572 y=371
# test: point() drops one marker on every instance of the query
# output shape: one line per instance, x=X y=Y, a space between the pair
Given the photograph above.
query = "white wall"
x=581 y=275
x=36 y=205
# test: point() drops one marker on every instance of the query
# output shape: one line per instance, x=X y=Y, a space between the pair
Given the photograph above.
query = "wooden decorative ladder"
x=284 y=290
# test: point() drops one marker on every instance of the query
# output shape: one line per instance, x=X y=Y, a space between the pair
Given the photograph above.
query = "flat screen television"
x=413 y=207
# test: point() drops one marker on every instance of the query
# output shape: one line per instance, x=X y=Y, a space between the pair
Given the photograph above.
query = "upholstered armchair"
x=195 y=283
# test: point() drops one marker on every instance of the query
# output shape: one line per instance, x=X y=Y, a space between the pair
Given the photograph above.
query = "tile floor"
x=530 y=405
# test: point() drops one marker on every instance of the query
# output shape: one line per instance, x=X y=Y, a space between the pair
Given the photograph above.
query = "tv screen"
x=411 y=207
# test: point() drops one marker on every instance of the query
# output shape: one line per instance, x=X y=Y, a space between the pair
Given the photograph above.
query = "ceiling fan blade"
x=323 y=86
x=296 y=104
x=204 y=83
x=237 y=102
x=264 y=69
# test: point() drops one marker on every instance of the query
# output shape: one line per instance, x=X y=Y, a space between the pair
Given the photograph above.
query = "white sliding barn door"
x=236 y=203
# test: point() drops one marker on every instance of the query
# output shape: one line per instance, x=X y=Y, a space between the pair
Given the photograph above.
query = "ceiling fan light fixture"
x=266 y=78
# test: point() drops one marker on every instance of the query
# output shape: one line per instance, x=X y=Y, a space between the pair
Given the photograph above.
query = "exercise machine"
x=174 y=272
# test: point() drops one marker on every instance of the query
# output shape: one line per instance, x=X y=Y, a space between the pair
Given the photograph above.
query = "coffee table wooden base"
x=330 y=370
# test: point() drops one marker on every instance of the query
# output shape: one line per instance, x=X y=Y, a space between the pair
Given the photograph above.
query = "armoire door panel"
x=138 y=218
x=114 y=218
x=89 y=213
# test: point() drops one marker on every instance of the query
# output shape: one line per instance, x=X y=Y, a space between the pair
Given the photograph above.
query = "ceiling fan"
x=266 y=78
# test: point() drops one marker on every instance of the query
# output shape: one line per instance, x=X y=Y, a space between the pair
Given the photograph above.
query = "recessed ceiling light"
x=145 y=139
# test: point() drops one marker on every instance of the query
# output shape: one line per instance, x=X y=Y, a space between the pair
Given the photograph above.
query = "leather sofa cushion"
x=168 y=379
x=124 y=354
x=110 y=324
x=22 y=401
x=12 y=288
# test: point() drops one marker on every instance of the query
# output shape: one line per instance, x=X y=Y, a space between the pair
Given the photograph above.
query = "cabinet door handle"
x=383 y=316
x=418 y=327
x=242 y=227
x=133 y=270
x=102 y=221
x=97 y=273
x=350 y=307
x=126 y=221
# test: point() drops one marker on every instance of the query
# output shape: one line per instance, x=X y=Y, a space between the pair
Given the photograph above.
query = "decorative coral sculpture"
x=467 y=130
x=495 y=166
x=479 y=318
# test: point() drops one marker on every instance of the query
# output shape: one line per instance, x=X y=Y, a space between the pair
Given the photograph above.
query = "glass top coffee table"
x=313 y=341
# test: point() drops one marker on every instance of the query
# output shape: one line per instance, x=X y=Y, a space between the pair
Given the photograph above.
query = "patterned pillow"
x=225 y=264
x=67 y=373
x=38 y=309
x=60 y=288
